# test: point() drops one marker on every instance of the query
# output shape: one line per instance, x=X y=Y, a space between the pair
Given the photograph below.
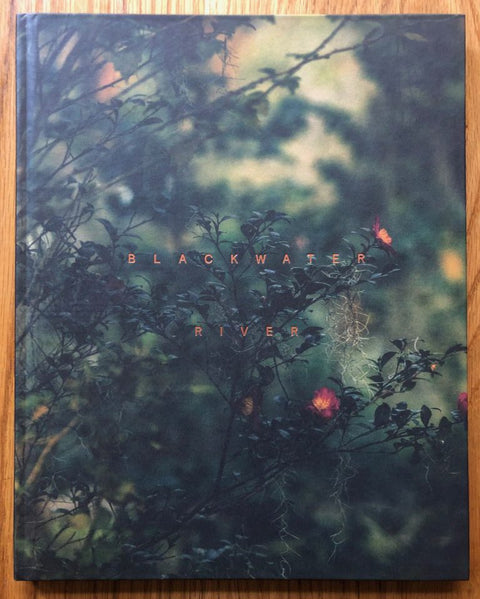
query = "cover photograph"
x=240 y=298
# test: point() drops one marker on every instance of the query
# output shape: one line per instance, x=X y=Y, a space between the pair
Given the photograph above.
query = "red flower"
x=382 y=237
x=462 y=404
x=324 y=403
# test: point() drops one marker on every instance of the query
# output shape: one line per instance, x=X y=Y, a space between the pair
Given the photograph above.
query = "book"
x=240 y=297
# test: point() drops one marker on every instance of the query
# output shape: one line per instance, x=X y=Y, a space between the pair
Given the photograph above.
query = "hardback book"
x=240 y=297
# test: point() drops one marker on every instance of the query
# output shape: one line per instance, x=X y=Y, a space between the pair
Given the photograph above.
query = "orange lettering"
x=260 y=258
x=131 y=258
x=182 y=259
x=286 y=259
x=208 y=258
x=198 y=331
x=269 y=331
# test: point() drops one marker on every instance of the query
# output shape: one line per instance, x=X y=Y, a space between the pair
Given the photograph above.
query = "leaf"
x=248 y=230
x=401 y=415
x=153 y=120
x=268 y=71
x=386 y=357
x=415 y=37
x=456 y=416
x=312 y=330
x=382 y=415
x=444 y=427
x=455 y=348
x=291 y=83
x=400 y=343
x=273 y=216
x=425 y=415
x=266 y=373
x=54 y=224
x=408 y=385
x=111 y=230
x=389 y=269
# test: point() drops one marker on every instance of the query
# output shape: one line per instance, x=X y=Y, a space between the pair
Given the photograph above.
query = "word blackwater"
x=234 y=259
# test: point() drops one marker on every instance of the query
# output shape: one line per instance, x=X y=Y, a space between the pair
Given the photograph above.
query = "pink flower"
x=462 y=404
x=324 y=403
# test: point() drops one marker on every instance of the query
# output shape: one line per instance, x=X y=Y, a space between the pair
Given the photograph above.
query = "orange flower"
x=247 y=406
x=324 y=403
x=382 y=236
x=106 y=78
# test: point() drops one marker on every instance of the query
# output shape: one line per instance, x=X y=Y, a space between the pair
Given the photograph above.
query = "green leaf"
x=408 y=385
x=111 y=230
x=382 y=415
x=455 y=348
x=248 y=230
x=268 y=71
x=444 y=427
x=401 y=414
x=292 y=84
x=153 y=120
x=400 y=343
x=415 y=37
x=386 y=357
x=425 y=415
x=266 y=373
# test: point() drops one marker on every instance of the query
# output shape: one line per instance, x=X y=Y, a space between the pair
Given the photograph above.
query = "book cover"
x=240 y=297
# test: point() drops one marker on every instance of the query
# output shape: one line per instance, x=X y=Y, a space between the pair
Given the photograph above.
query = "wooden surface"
x=9 y=589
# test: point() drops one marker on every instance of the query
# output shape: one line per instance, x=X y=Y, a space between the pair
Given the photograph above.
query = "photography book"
x=240 y=297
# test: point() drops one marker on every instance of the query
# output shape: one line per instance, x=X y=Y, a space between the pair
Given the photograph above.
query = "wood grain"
x=9 y=589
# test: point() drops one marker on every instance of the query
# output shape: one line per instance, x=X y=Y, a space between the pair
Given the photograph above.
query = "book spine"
x=20 y=264
x=24 y=116
x=26 y=125
x=23 y=133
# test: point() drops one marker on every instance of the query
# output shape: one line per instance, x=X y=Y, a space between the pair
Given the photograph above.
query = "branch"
x=32 y=477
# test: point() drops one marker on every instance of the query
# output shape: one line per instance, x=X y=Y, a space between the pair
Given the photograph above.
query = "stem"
x=36 y=470
x=223 y=457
